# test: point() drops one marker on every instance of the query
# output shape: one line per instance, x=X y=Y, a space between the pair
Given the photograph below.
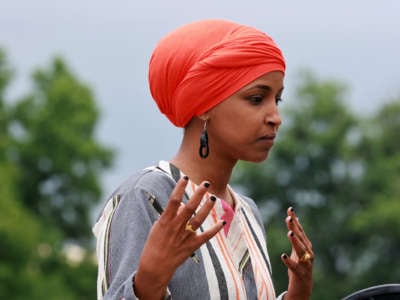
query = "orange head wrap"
x=201 y=64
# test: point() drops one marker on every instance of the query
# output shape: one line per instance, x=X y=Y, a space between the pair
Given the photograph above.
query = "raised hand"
x=172 y=240
x=300 y=262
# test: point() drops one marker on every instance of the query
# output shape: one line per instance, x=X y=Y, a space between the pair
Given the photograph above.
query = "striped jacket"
x=232 y=266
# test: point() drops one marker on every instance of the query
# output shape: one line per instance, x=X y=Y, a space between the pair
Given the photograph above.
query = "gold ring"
x=306 y=257
x=189 y=227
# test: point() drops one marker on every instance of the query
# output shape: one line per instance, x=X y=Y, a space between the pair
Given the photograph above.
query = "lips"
x=268 y=137
x=266 y=141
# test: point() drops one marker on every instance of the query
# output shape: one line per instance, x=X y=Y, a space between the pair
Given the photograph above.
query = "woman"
x=178 y=230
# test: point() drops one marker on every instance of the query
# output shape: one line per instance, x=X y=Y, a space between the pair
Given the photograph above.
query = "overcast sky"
x=108 y=45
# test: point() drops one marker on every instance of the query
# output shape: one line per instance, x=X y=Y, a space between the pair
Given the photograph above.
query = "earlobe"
x=204 y=149
x=205 y=116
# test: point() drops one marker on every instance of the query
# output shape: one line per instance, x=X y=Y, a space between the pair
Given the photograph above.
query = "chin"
x=256 y=158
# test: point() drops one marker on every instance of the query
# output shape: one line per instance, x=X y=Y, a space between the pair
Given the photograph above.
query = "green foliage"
x=342 y=175
x=50 y=164
x=58 y=158
x=377 y=222
x=5 y=77
x=5 y=73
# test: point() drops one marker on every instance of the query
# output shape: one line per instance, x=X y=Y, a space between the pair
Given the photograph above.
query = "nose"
x=273 y=117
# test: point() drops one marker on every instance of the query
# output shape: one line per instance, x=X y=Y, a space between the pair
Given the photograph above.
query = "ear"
x=205 y=116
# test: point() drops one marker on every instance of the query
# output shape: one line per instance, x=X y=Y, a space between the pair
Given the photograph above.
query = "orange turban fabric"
x=199 y=65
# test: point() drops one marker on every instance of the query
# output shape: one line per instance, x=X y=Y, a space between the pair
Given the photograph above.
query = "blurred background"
x=76 y=118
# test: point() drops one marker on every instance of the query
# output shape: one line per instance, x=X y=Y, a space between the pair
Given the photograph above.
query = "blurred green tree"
x=317 y=167
x=49 y=160
x=378 y=222
x=56 y=152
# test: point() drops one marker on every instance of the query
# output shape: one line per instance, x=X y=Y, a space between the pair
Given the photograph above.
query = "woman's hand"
x=300 y=262
x=172 y=240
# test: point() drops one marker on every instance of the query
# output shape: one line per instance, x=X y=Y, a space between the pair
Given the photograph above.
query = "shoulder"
x=132 y=192
x=149 y=179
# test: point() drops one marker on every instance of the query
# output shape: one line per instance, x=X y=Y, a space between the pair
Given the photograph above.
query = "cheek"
x=237 y=129
x=247 y=120
x=243 y=115
x=237 y=122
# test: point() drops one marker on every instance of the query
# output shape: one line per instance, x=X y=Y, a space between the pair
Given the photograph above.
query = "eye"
x=278 y=100
x=255 y=99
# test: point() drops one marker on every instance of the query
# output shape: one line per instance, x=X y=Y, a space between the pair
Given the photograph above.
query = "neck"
x=213 y=169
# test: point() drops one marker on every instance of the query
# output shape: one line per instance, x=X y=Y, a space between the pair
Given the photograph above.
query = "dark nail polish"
x=290 y=220
x=292 y=234
x=284 y=256
x=292 y=209
x=186 y=178
x=212 y=198
x=206 y=184
x=223 y=223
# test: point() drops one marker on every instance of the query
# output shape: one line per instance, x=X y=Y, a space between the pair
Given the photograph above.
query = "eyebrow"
x=265 y=87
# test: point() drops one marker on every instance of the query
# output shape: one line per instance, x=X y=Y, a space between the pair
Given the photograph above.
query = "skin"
x=242 y=127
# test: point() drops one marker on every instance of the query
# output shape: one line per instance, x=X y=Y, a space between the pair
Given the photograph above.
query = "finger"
x=190 y=207
x=294 y=224
x=300 y=250
x=307 y=257
x=292 y=213
x=297 y=245
x=288 y=262
x=176 y=198
x=207 y=235
x=301 y=233
x=202 y=214
x=295 y=220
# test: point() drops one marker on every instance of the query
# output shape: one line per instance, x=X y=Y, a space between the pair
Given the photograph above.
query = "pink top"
x=227 y=216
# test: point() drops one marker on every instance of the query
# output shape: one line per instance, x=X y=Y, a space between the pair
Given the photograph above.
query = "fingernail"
x=292 y=234
x=292 y=209
x=290 y=220
x=212 y=198
x=206 y=184
x=186 y=178
x=223 y=223
x=284 y=256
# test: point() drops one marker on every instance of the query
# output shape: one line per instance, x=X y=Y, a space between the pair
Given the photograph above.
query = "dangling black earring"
x=204 y=149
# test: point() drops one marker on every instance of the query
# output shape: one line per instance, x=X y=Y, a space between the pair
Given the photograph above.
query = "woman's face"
x=245 y=124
